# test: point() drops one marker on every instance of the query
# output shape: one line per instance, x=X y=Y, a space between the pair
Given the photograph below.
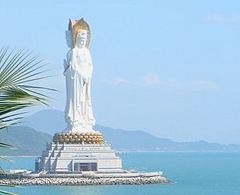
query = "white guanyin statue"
x=78 y=72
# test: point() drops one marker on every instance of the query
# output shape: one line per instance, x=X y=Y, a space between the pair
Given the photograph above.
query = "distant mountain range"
x=31 y=139
x=25 y=141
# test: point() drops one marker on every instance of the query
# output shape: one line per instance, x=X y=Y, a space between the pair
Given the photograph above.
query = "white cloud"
x=152 y=79
x=220 y=18
x=119 y=81
x=204 y=85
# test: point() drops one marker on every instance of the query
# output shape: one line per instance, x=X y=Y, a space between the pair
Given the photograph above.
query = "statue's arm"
x=65 y=63
x=68 y=61
x=89 y=59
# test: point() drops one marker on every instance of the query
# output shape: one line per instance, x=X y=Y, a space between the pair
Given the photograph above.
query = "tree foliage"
x=20 y=73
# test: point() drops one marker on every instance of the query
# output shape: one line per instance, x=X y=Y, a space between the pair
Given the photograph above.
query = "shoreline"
x=84 y=178
x=74 y=181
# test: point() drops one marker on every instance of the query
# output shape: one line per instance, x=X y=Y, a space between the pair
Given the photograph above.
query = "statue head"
x=80 y=33
x=81 y=39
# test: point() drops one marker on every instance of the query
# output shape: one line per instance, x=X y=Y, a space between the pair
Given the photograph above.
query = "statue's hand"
x=85 y=79
x=66 y=65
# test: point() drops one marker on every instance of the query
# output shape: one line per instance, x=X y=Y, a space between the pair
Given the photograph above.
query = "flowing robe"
x=78 y=73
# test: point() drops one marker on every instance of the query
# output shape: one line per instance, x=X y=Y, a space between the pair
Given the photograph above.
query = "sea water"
x=192 y=173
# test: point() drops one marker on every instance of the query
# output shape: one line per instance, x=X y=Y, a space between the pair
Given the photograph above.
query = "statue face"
x=82 y=37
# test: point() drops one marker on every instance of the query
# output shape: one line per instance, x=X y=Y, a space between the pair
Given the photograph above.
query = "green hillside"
x=26 y=141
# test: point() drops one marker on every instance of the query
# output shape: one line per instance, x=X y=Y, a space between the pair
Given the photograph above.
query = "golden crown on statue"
x=75 y=26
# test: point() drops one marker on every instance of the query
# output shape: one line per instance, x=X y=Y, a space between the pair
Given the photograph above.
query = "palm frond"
x=4 y=145
x=18 y=70
x=6 y=159
x=7 y=193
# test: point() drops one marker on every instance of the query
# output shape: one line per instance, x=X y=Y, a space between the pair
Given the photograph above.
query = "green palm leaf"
x=18 y=71
x=7 y=193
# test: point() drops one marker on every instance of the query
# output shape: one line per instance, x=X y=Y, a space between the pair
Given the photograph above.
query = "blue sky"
x=170 y=68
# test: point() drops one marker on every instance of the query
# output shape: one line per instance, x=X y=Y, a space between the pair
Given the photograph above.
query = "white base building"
x=75 y=158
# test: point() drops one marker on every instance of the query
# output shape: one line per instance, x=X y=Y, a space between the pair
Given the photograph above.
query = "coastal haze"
x=31 y=137
x=169 y=68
